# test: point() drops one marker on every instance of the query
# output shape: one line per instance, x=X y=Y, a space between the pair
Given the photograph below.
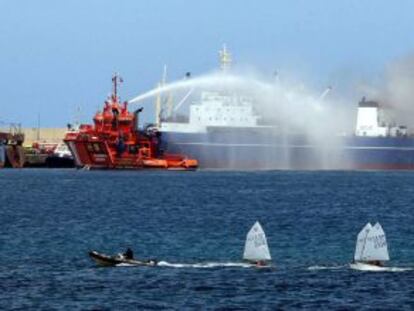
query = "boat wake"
x=318 y=267
x=204 y=265
x=397 y=269
x=124 y=264
x=365 y=267
x=361 y=268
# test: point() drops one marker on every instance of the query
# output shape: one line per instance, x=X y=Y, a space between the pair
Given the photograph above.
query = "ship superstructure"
x=216 y=109
x=370 y=122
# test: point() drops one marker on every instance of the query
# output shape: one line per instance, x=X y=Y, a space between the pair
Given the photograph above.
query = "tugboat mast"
x=115 y=79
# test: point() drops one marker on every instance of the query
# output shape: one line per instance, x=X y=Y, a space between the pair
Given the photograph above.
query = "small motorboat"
x=119 y=259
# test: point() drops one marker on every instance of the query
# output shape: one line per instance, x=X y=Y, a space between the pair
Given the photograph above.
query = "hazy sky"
x=57 y=55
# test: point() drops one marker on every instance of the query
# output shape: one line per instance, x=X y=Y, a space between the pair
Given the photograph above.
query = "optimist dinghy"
x=111 y=261
x=256 y=250
x=371 y=249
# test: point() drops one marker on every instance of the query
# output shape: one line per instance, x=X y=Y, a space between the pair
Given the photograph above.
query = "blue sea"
x=196 y=224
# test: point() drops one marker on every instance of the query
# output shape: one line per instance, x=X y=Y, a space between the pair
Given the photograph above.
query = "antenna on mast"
x=225 y=59
x=164 y=76
x=115 y=80
x=158 y=99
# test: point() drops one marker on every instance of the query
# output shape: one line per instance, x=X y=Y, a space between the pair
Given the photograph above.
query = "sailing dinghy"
x=256 y=250
x=371 y=249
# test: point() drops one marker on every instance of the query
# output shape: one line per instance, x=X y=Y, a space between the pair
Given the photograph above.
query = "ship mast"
x=225 y=59
x=115 y=80
x=158 y=99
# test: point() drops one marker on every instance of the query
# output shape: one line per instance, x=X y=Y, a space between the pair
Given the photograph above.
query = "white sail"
x=376 y=245
x=373 y=245
x=256 y=247
x=361 y=240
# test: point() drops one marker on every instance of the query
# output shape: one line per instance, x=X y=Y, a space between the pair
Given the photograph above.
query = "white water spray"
x=286 y=107
x=206 y=81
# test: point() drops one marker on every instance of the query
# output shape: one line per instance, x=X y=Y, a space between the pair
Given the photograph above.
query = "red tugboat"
x=116 y=142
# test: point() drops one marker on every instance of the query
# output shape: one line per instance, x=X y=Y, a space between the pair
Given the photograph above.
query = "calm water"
x=50 y=219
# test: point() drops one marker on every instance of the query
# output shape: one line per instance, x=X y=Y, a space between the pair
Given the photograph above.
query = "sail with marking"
x=373 y=245
x=361 y=240
x=256 y=248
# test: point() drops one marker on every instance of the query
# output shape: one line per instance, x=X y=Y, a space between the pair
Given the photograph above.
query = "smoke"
x=395 y=91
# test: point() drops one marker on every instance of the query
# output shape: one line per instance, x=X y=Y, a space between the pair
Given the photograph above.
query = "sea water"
x=195 y=223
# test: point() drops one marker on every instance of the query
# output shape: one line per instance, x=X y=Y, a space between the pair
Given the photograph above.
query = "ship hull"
x=254 y=150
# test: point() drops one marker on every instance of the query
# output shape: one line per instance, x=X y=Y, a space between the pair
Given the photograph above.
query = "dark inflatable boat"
x=111 y=261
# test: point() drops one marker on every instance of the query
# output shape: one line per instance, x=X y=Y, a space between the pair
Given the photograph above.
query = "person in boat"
x=261 y=263
x=376 y=263
x=129 y=254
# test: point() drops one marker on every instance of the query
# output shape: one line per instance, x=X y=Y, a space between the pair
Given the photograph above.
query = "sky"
x=60 y=55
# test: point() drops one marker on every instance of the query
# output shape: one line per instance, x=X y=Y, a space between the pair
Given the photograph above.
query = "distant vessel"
x=2 y=155
x=223 y=131
x=371 y=249
x=114 y=141
x=256 y=250
x=11 y=150
x=60 y=158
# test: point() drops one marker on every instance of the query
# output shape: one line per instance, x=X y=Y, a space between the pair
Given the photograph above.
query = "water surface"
x=50 y=219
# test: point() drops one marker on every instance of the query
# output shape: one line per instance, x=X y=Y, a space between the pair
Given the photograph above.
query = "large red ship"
x=114 y=141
